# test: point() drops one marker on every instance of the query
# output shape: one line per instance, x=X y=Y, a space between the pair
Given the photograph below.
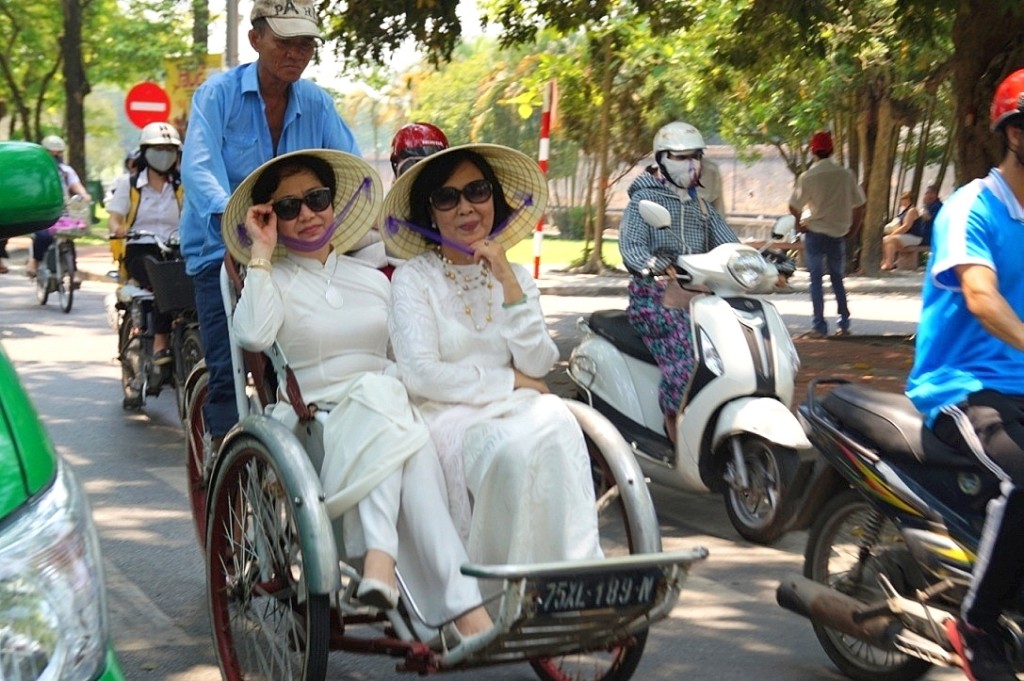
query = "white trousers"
x=406 y=516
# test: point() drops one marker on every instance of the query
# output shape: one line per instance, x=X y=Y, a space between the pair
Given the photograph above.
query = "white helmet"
x=684 y=140
x=159 y=133
x=53 y=144
x=677 y=136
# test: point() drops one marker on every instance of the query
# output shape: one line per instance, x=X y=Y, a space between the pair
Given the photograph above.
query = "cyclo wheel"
x=190 y=354
x=848 y=547
x=620 y=661
x=196 y=450
x=266 y=624
x=66 y=276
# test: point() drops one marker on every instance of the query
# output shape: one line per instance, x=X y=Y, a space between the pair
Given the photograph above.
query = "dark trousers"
x=135 y=262
x=820 y=252
x=990 y=427
x=220 y=410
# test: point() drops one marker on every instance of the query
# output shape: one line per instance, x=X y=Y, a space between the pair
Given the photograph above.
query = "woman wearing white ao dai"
x=520 y=453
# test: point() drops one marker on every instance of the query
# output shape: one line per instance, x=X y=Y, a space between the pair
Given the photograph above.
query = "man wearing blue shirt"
x=239 y=120
x=968 y=373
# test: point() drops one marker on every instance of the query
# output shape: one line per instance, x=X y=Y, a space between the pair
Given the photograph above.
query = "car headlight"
x=750 y=270
x=53 y=616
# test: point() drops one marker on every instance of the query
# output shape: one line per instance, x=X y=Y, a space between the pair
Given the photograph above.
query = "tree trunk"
x=201 y=25
x=878 y=183
x=596 y=266
x=76 y=86
x=988 y=42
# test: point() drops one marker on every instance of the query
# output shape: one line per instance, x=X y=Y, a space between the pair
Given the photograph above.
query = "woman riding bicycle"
x=149 y=201
x=72 y=186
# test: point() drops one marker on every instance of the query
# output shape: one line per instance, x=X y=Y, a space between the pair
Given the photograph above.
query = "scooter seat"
x=891 y=425
x=614 y=326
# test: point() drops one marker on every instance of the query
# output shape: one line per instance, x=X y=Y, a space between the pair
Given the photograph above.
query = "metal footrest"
x=558 y=608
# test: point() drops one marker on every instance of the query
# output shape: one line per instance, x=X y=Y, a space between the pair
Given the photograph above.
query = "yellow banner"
x=184 y=75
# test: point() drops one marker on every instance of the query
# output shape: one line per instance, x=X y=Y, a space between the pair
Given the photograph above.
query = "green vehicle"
x=53 y=609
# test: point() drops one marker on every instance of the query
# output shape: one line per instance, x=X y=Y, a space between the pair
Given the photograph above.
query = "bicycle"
x=135 y=306
x=56 y=273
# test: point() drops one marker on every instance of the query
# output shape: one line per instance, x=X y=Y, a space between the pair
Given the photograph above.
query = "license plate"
x=589 y=592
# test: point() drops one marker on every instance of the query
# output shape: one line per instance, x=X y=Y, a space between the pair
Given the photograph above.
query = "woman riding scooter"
x=149 y=199
x=659 y=308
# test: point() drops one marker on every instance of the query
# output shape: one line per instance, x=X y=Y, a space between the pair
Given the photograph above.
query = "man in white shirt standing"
x=836 y=205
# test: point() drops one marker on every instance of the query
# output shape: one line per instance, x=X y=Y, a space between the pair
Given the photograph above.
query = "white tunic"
x=523 y=458
x=331 y=322
x=339 y=356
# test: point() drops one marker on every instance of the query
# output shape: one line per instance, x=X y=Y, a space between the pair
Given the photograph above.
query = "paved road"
x=726 y=626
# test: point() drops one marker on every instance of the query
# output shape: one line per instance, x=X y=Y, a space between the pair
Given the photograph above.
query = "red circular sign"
x=147 y=103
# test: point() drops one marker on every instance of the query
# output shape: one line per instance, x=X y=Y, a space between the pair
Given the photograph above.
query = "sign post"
x=147 y=103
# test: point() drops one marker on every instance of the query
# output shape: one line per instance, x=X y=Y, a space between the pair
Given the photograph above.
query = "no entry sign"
x=147 y=103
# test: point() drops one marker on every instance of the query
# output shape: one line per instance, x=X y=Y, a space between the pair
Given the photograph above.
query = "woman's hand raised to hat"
x=493 y=253
x=261 y=225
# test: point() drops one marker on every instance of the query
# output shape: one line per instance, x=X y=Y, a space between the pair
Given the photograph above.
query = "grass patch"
x=562 y=252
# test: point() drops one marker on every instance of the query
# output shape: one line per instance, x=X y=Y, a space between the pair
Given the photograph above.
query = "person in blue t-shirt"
x=968 y=373
x=239 y=120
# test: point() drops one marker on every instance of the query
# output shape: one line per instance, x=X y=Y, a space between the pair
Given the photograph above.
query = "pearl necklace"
x=470 y=282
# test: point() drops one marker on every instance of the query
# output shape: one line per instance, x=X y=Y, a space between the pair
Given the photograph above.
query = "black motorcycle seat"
x=614 y=326
x=891 y=425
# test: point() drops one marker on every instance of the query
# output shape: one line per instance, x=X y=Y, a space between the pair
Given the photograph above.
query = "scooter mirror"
x=784 y=228
x=655 y=214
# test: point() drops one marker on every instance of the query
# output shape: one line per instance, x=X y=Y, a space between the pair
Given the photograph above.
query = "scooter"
x=131 y=310
x=896 y=518
x=735 y=433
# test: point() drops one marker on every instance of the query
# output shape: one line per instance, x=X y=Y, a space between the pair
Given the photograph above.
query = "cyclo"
x=281 y=597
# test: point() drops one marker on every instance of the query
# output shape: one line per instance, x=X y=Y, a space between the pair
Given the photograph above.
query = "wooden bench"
x=908 y=258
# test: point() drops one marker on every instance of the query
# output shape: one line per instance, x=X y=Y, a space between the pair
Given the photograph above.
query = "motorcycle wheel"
x=756 y=512
x=847 y=549
x=66 y=282
x=132 y=355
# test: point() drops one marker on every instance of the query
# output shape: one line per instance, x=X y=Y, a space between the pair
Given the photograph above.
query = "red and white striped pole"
x=542 y=160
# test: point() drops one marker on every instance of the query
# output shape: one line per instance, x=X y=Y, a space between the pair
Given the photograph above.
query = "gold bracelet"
x=259 y=264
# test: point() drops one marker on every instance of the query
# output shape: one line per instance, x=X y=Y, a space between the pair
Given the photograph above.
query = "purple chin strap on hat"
x=306 y=245
x=393 y=224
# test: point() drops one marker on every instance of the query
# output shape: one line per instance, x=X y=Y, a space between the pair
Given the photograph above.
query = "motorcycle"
x=132 y=310
x=896 y=517
x=735 y=433
x=56 y=272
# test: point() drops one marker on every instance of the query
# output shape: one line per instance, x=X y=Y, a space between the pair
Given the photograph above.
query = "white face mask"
x=683 y=174
x=161 y=160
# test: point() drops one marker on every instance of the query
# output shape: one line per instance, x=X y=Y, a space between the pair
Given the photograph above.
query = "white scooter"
x=735 y=433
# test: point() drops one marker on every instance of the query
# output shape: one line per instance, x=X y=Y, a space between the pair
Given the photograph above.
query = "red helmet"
x=414 y=141
x=1008 y=100
x=821 y=142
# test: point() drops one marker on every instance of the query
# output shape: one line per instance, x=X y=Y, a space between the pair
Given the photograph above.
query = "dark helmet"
x=1008 y=100
x=415 y=141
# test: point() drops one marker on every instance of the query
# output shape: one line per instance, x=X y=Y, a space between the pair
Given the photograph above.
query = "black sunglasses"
x=317 y=200
x=446 y=198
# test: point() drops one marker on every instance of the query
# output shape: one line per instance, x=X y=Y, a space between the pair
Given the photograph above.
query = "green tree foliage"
x=121 y=43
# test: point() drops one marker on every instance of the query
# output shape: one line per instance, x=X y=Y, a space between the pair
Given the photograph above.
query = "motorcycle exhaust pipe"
x=827 y=607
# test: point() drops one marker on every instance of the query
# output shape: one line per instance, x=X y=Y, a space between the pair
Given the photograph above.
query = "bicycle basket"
x=68 y=228
x=172 y=288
